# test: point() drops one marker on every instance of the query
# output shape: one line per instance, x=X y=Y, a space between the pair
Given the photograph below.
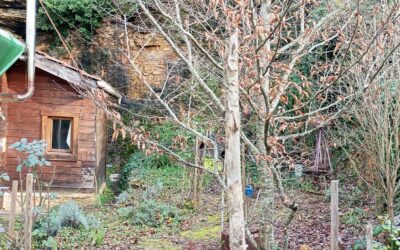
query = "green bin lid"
x=10 y=50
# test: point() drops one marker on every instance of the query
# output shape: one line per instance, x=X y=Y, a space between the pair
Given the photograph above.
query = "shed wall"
x=25 y=118
x=3 y=121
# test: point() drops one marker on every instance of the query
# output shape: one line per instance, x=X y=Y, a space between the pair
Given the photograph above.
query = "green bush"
x=97 y=237
x=34 y=153
x=153 y=213
x=83 y=15
x=135 y=162
x=387 y=233
x=106 y=197
x=390 y=234
x=353 y=217
x=123 y=197
x=65 y=215
x=152 y=170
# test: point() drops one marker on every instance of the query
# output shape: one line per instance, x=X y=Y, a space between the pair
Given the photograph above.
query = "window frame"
x=47 y=131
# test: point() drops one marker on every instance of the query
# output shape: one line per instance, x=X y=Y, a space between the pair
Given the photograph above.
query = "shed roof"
x=75 y=76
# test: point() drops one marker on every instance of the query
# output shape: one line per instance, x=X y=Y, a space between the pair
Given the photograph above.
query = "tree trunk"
x=232 y=153
x=390 y=204
x=267 y=203
x=267 y=199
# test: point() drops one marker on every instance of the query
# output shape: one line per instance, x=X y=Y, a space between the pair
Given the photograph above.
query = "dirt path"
x=311 y=224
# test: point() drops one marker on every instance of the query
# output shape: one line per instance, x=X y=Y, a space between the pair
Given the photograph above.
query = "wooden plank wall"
x=101 y=146
x=24 y=121
x=3 y=123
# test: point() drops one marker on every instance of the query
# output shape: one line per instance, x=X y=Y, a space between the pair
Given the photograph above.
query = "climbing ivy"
x=84 y=16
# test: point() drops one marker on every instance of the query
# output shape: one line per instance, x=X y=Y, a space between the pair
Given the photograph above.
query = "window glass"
x=61 y=136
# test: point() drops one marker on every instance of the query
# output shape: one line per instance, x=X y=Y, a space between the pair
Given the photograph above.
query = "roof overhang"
x=77 y=77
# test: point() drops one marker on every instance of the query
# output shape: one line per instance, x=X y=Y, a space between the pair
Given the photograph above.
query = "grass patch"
x=204 y=233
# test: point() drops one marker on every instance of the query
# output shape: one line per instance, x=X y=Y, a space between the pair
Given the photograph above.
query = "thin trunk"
x=267 y=202
x=232 y=155
x=195 y=177
x=266 y=240
x=390 y=204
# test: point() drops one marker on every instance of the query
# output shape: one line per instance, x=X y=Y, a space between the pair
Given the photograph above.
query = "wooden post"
x=334 y=215
x=13 y=205
x=245 y=199
x=2 y=193
x=28 y=213
x=195 y=177
x=369 y=236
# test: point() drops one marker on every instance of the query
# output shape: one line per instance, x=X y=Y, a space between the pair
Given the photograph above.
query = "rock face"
x=12 y=16
x=104 y=55
x=151 y=53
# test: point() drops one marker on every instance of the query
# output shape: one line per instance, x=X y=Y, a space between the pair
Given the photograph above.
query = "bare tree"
x=291 y=61
x=294 y=59
x=376 y=138
x=371 y=127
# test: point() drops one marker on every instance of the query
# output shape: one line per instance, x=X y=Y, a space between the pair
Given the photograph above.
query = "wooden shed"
x=59 y=112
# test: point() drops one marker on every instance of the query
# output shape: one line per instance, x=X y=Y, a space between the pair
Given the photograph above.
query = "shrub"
x=70 y=215
x=107 y=196
x=65 y=215
x=35 y=151
x=50 y=243
x=353 y=216
x=388 y=234
x=154 y=214
x=123 y=197
x=83 y=15
x=153 y=170
x=97 y=237
x=135 y=161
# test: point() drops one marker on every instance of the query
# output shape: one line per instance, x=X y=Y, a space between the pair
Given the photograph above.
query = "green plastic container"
x=10 y=50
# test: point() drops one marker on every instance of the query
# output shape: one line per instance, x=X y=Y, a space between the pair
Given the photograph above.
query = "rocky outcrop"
x=150 y=51
x=104 y=56
x=12 y=16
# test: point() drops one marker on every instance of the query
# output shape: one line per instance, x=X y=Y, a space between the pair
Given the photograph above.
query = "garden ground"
x=201 y=229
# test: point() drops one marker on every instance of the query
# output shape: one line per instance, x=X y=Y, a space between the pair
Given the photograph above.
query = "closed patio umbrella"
x=10 y=50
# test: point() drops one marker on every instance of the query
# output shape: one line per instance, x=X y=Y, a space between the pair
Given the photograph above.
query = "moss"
x=204 y=233
x=214 y=219
x=158 y=244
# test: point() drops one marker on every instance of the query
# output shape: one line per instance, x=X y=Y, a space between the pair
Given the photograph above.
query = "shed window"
x=60 y=131
x=61 y=134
